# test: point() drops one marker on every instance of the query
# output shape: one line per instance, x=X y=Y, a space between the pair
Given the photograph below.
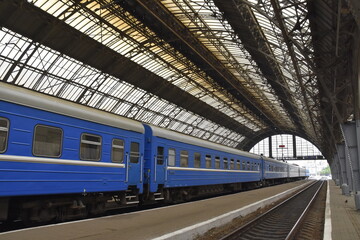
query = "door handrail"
x=155 y=168
x=166 y=168
x=127 y=168
x=141 y=168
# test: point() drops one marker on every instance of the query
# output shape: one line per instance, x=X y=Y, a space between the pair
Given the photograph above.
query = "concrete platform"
x=345 y=219
x=183 y=221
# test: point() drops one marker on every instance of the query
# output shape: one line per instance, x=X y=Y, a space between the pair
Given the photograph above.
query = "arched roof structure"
x=231 y=72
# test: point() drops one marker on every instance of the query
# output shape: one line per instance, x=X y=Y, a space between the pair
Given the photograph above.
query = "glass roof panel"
x=53 y=73
x=32 y=65
x=134 y=38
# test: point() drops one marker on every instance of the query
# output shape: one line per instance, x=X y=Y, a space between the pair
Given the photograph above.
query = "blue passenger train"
x=60 y=160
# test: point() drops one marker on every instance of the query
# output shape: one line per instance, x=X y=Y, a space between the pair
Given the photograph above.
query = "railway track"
x=284 y=220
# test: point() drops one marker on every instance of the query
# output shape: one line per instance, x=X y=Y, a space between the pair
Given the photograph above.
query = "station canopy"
x=231 y=72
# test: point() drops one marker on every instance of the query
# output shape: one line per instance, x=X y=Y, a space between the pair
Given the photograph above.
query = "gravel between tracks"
x=219 y=232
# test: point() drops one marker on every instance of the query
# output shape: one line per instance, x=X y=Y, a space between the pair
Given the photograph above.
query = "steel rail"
x=234 y=234
x=298 y=223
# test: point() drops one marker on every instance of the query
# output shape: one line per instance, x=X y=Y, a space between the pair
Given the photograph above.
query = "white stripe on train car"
x=14 y=158
x=210 y=170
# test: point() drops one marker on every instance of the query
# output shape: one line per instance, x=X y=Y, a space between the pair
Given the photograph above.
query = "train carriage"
x=73 y=149
x=51 y=146
x=174 y=160
x=275 y=169
x=294 y=171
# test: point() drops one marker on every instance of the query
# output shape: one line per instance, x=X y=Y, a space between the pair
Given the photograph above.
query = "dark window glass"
x=226 y=166
x=184 y=159
x=90 y=148
x=47 y=141
x=134 y=152
x=232 y=166
x=243 y=165
x=4 y=130
x=217 y=162
x=197 y=160
x=238 y=164
x=160 y=155
x=172 y=154
x=117 y=151
x=208 y=161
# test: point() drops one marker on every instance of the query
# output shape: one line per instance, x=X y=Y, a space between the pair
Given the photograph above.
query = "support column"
x=270 y=147
x=294 y=145
x=351 y=131
x=334 y=169
x=349 y=169
x=341 y=160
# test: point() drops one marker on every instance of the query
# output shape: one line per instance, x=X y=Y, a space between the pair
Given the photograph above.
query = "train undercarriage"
x=59 y=208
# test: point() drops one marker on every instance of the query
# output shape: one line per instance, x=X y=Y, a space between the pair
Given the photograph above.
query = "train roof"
x=274 y=160
x=48 y=103
x=172 y=135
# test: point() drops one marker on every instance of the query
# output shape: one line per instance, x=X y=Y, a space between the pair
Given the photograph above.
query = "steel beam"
x=344 y=170
x=160 y=20
x=355 y=9
x=24 y=18
x=351 y=131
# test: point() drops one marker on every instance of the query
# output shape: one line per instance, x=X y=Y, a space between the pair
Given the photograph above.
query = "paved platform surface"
x=151 y=223
x=345 y=219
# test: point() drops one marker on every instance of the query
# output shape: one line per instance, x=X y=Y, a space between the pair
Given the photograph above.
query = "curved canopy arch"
x=287 y=147
x=232 y=72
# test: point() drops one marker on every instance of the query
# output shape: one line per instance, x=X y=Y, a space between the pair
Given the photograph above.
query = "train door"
x=262 y=168
x=134 y=164
x=160 y=162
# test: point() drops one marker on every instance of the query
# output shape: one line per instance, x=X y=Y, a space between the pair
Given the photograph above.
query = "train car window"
x=134 y=152
x=248 y=166
x=243 y=165
x=160 y=155
x=217 y=162
x=117 y=151
x=90 y=147
x=232 y=164
x=238 y=164
x=208 y=161
x=226 y=166
x=172 y=155
x=184 y=158
x=47 y=141
x=197 y=160
x=4 y=134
